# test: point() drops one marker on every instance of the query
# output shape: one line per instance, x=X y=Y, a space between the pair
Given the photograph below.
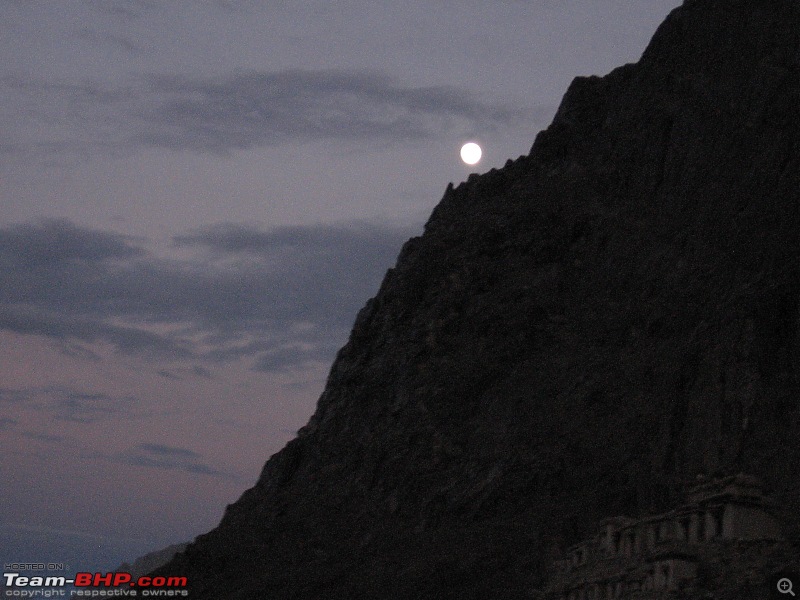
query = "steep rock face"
x=575 y=336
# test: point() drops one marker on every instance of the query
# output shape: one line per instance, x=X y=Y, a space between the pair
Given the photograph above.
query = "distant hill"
x=575 y=336
x=151 y=561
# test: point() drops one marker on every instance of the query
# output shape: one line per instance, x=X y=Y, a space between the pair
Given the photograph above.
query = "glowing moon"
x=470 y=153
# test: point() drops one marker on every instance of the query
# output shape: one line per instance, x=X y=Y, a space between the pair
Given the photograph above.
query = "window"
x=716 y=516
x=685 y=523
x=701 y=527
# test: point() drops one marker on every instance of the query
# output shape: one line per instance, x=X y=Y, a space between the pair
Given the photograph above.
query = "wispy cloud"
x=85 y=407
x=201 y=372
x=66 y=404
x=291 y=357
x=55 y=531
x=124 y=9
x=80 y=325
x=55 y=243
x=7 y=423
x=109 y=40
x=239 y=111
x=12 y=396
x=162 y=450
x=159 y=456
x=44 y=437
x=262 y=109
x=280 y=297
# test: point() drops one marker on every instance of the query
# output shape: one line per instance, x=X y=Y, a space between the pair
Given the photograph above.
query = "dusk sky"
x=196 y=198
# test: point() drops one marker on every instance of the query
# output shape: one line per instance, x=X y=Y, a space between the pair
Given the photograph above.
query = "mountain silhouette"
x=575 y=336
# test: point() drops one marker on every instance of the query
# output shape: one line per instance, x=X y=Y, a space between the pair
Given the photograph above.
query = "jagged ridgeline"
x=575 y=337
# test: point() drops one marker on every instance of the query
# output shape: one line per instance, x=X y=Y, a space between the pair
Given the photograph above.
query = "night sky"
x=196 y=199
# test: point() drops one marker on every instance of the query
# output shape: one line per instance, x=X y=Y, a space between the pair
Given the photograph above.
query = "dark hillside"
x=575 y=336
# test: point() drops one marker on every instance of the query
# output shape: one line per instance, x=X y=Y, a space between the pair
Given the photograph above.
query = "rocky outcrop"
x=574 y=336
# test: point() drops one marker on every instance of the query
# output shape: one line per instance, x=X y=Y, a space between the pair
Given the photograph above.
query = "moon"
x=470 y=153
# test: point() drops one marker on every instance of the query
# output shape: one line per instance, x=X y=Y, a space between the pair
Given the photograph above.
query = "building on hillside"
x=659 y=555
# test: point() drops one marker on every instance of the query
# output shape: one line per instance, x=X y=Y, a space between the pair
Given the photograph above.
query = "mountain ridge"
x=151 y=561
x=574 y=336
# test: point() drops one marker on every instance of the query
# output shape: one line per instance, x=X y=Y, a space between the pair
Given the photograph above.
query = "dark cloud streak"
x=162 y=450
x=264 y=109
x=7 y=423
x=283 y=297
x=65 y=328
x=159 y=456
x=66 y=404
x=290 y=357
x=125 y=9
x=109 y=40
x=57 y=241
x=235 y=112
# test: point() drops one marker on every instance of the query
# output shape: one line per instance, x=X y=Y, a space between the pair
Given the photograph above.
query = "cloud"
x=233 y=112
x=281 y=297
x=10 y=396
x=167 y=374
x=67 y=404
x=44 y=437
x=85 y=407
x=71 y=328
x=53 y=531
x=161 y=450
x=293 y=357
x=236 y=6
x=125 y=9
x=109 y=40
x=159 y=456
x=7 y=423
x=263 y=109
x=201 y=372
x=56 y=242
x=317 y=274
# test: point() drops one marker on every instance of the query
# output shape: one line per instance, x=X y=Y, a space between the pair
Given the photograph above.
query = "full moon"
x=470 y=153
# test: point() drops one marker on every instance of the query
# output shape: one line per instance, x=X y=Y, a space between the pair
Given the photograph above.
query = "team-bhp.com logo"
x=96 y=585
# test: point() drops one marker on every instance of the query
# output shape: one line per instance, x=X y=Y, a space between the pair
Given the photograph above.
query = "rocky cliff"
x=574 y=336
